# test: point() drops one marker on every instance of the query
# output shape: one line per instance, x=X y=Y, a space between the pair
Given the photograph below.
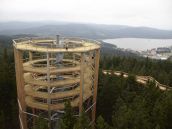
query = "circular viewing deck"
x=50 y=45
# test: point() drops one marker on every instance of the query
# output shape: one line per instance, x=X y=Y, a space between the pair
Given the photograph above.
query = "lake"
x=139 y=44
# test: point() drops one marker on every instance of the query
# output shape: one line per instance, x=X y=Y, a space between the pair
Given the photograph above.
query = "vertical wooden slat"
x=97 y=56
x=81 y=83
x=30 y=56
x=48 y=80
x=20 y=85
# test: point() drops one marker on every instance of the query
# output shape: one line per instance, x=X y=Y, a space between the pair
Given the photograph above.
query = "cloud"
x=155 y=13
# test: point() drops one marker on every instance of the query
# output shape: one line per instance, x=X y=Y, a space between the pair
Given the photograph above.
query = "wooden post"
x=81 y=83
x=48 y=80
x=30 y=56
x=20 y=87
x=97 y=56
x=34 y=120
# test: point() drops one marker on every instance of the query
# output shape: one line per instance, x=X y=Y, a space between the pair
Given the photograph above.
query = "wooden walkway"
x=139 y=79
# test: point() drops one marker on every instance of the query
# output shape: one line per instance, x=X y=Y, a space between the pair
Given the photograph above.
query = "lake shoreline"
x=139 y=44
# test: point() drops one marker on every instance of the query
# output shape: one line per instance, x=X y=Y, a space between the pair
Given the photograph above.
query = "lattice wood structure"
x=49 y=72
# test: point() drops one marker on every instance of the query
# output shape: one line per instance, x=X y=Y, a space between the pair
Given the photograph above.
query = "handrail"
x=142 y=78
x=69 y=44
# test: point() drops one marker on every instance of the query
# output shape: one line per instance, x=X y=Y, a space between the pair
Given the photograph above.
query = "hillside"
x=93 y=31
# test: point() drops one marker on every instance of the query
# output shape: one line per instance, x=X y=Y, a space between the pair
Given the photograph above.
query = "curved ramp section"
x=30 y=67
x=60 y=83
x=35 y=93
x=44 y=106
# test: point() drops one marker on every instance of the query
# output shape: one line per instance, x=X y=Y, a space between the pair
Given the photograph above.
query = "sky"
x=150 y=13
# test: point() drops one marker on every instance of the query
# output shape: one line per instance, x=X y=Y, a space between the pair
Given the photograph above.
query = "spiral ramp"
x=33 y=86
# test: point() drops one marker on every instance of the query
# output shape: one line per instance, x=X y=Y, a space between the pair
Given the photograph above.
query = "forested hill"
x=93 y=31
x=122 y=103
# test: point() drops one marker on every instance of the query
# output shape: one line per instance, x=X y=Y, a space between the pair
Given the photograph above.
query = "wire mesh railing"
x=50 y=43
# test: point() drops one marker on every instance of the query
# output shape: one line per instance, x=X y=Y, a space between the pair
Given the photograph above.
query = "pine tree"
x=101 y=124
x=2 y=120
x=40 y=123
x=82 y=122
x=68 y=119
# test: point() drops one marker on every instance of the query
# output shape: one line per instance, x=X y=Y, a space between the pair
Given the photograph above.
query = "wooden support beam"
x=30 y=56
x=34 y=119
x=20 y=86
x=81 y=84
x=49 y=90
x=97 y=56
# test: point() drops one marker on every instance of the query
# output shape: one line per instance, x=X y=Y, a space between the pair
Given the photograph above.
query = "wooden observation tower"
x=50 y=71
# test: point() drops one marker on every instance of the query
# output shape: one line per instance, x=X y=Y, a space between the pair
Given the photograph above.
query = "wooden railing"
x=139 y=79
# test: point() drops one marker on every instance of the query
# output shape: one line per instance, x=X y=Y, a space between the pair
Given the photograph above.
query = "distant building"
x=153 y=51
x=162 y=50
